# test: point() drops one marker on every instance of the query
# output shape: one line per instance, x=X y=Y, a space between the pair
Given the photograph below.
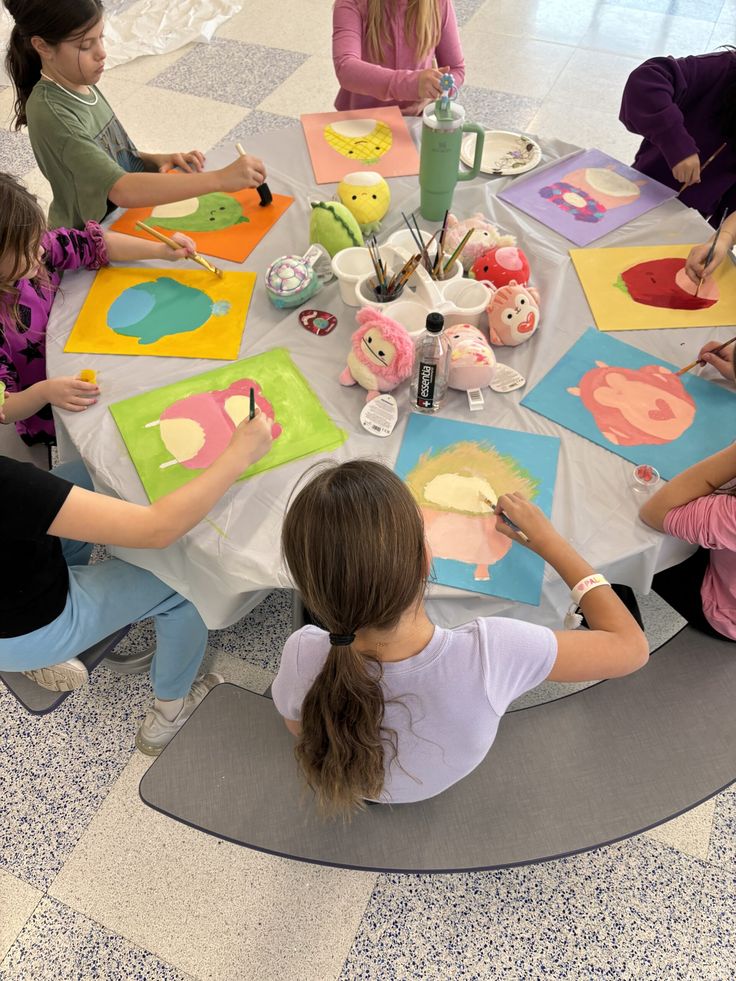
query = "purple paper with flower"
x=586 y=195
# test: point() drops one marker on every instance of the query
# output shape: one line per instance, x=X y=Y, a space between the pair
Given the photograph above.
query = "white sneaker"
x=156 y=732
x=67 y=676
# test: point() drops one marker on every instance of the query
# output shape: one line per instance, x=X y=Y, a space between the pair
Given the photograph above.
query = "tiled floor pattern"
x=93 y=885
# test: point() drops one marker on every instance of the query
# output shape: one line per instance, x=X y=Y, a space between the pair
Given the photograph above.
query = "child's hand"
x=429 y=83
x=251 y=440
x=722 y=362
x=687 y=171
x=246 y=171
x=695 y=265
x=188 y=248
x=188 y=162
x=70 y=393
x=529 y=518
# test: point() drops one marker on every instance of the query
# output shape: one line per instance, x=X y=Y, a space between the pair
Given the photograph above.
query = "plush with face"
x=633 y=407
x=500 y=265
x=513 y=314
x=472 y=361
x=382 y=354
x=366 y=195
x=485 y=236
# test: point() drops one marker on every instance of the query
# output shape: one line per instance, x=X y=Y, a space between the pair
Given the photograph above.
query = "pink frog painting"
x=588 y=193
x=456 y=488
x=636 y=406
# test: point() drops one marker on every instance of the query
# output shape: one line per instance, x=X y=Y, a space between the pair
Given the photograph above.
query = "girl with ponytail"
x=385 y=705
x=55 y=58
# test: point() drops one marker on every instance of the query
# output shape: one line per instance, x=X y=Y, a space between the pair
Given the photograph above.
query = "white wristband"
x=585 y=585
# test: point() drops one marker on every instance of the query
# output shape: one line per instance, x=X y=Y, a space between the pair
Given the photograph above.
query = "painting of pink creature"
x=456 y=472
x=635 y=405
x=381 y=355
x=586 y=195
x=513 y=314
x=174 y=432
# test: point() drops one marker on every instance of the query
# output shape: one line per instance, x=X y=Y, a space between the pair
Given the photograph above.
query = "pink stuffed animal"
x=472 y=361
x=500 y=265
x=382 y=355
x=513 y=314
x=484 y=237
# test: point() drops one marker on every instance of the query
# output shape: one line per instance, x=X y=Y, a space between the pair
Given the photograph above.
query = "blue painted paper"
x=659 y=408
x=518 y=574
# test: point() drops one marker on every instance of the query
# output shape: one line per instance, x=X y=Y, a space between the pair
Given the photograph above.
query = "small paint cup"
x=352 y=265
x=403 y=239
x=645 y=479
x=411 y=315
x=465 y=302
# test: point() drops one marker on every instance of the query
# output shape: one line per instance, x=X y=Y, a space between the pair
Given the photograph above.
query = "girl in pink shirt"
x=699 y=506
x=384 y=52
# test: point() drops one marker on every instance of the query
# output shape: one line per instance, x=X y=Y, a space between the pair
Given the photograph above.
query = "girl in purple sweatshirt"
x=385 y=52
x=685 y=108
x=32 y=260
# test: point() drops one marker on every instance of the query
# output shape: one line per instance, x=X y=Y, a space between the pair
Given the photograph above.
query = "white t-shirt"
x=449 y=698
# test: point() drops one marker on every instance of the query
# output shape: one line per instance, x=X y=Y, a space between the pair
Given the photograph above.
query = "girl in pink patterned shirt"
x=32 y=260
x=699 y=506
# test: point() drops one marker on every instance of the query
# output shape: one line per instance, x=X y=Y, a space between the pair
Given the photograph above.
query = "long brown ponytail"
x=61 y=20
x=353 y=539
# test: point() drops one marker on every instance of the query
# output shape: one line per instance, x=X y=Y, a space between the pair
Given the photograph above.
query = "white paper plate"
x=504 y=154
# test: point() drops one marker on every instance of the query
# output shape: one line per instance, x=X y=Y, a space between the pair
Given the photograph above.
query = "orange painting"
x=224 y=225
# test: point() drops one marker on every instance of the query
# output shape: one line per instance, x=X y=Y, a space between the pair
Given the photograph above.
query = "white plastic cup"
x=465 y=302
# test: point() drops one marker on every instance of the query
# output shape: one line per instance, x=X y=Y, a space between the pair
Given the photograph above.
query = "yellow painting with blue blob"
x=179 y=313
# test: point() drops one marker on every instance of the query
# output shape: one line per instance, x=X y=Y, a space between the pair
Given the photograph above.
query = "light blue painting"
x=633 y=404
x=455 y=471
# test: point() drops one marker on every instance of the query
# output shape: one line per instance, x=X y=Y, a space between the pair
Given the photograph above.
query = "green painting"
x=175 y=432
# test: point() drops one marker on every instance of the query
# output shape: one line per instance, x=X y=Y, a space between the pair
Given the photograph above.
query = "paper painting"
x=173 y=433
x=453 y=469
x=359 y=139
x=182 y=313
x=634 y=405
x=586 y=196
x=646 y=288
x=224 y=225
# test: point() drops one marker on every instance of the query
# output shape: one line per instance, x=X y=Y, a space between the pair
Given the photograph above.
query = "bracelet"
x=585 y=585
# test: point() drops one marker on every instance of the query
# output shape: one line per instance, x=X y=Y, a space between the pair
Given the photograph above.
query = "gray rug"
x=591 y=768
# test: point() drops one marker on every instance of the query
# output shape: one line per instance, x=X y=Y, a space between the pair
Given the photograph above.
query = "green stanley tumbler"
x=439 y=159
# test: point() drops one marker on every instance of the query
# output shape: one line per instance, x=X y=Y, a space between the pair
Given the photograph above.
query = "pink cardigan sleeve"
x=449 y=52
x=362 y=77
x=709 y=521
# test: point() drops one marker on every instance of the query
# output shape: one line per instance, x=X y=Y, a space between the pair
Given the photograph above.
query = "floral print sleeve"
x=68 y=248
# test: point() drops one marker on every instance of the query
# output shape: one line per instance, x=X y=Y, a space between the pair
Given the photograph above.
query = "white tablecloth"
x=594 y=504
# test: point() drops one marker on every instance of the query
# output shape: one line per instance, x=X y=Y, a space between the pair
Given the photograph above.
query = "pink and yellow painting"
x=631 y=403
x=646 y=288
x=456 y=472
x=369 y=139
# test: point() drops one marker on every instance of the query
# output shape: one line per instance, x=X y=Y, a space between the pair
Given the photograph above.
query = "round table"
x=594 y=507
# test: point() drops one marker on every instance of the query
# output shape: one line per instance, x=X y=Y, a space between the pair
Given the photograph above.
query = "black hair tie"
x=341 y=640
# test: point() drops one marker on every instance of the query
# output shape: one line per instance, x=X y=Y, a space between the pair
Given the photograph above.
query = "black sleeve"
x=31 y=499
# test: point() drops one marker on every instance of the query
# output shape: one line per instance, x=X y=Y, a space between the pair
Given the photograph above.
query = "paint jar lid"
x=645 y=477
x=435 y=322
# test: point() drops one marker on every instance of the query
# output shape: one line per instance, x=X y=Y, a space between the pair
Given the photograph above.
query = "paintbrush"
x=403 y=275
x=380 y=286
x=716 y=350
x=418 y=239
x=172 y=244
x=506 y=520
x=437 y=272
x=710 y=159
x=712 y=249
x=459 y=250
x=424 y=246
x=264 y=191
x=252 y=407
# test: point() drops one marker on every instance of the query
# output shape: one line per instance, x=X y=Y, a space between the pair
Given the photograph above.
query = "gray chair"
x=594 y=767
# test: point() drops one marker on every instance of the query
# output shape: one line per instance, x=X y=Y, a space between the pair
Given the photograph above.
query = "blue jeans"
x=104 y=597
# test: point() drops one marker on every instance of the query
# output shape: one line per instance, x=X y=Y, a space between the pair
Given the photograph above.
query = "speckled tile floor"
x=93 y=885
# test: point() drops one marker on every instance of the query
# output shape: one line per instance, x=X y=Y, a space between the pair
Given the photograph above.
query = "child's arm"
x=449 y=51
x=128 y=248
x=141 y=190
x=697 y=481
x=652 y=97
x=614 y=645
x=363 y=77
x=94 y=246
x=161 y=163
x=64 y=393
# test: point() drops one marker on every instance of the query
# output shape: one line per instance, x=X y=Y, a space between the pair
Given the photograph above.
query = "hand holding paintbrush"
x=723 y=364
x=704 y=259
x=173 y=244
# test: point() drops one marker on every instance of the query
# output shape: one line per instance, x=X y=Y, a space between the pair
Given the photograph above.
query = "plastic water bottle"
x=431 y=366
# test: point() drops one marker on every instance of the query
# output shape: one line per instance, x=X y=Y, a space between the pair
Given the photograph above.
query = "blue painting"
x=635 y=405
x=456 y=471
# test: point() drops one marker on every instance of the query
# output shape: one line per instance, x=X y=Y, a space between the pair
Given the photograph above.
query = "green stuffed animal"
x=332 y=226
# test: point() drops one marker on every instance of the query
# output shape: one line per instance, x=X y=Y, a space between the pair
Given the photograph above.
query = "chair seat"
x=593 y=767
